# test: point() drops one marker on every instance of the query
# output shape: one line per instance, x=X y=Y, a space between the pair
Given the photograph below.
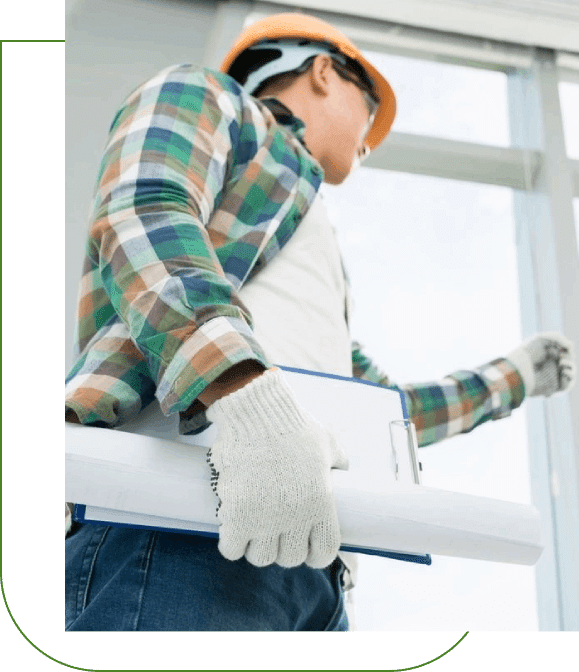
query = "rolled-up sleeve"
x=455 y=404
x=152 y=276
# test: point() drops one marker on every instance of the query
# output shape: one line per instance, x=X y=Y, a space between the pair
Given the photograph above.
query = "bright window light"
x=433 y=267
x=448 y=101
x=569 y=93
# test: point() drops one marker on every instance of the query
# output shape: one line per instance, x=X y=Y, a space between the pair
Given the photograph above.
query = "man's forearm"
x=231 y=380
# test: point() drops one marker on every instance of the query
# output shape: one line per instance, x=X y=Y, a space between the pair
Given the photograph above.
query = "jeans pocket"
x=81 y=553
x=339 y=619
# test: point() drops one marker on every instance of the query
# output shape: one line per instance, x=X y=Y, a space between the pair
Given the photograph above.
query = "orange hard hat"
x=301 y=26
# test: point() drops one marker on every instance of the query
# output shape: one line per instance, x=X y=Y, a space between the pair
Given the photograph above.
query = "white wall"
x=535 y=22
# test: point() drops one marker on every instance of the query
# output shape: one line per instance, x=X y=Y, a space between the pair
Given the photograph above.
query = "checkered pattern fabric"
x=455 y=404
x=199 y=187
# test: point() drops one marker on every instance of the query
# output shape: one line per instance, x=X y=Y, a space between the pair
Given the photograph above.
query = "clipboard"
x=384 y=458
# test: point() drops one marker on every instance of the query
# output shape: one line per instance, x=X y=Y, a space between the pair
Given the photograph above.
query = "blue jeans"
x=129 y=579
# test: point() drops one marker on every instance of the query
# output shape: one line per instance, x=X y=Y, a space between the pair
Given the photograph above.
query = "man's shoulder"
x=189 y=90
x=202 y=74
x=187 y=78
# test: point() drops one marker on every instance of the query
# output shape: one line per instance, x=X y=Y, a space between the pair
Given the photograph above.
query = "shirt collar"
x=285 y=117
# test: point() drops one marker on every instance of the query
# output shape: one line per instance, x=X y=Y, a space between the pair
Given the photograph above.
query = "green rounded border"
x=86 y=669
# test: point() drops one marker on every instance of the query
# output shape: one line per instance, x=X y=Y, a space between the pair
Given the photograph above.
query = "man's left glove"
x=547 y=364
x=271 y=464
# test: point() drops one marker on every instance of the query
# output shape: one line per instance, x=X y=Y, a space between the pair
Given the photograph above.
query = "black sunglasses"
x=362 y=81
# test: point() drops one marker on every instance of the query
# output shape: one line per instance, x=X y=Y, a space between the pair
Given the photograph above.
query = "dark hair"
x=249 y=61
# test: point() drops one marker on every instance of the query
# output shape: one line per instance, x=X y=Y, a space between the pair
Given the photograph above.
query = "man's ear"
x=321 y=73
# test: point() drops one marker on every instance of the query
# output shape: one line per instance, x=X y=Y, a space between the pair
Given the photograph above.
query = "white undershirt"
x=298 y=300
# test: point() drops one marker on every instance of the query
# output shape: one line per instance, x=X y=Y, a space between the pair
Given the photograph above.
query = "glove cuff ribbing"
x=522 y=361
x=265 y=403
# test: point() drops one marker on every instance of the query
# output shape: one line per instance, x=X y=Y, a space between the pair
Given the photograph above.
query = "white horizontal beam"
x=568 y=66
x=439 y=157
x=380 y=35
x=543 y=23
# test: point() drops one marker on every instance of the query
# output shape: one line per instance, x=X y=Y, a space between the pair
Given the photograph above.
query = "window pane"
x=448 y=101
x=434 y=279
x=569 y=93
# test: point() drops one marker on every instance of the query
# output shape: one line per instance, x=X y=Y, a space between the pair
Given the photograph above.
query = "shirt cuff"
x=212 y=349
x=505 y=384
x=101 y=400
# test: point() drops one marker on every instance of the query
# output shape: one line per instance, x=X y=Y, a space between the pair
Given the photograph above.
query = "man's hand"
x=271 y=465
x=547 y=364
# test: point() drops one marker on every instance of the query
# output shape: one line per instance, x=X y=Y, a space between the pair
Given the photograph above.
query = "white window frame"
x=547 y=23
x=544 y=181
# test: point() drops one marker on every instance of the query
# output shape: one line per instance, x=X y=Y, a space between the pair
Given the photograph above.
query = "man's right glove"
x=271 y=464
x=547 y=364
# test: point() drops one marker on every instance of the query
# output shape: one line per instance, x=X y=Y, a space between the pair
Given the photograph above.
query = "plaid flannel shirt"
x=199 y=187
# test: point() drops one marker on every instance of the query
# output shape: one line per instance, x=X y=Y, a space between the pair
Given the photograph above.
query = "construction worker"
x=210 y=259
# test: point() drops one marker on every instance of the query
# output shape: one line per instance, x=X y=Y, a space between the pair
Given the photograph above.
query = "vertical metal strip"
x=548 y=277
x=228 y=23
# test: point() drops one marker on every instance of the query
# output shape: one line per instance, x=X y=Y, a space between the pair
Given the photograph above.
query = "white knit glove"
x=271 y=465
x=546 y=362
